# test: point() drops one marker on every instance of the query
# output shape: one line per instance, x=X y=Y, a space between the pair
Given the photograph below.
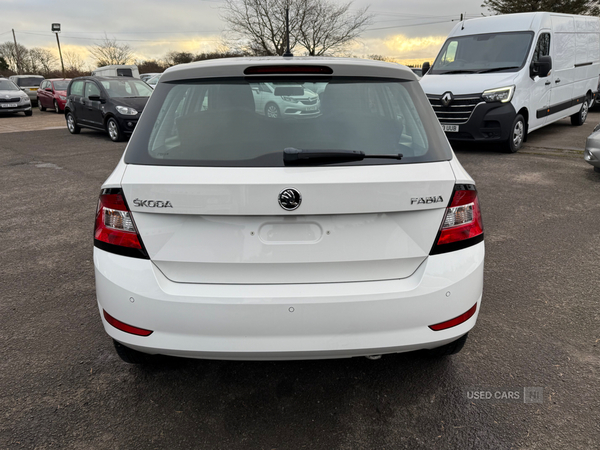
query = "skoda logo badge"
x=290 y=199
x=447 y=99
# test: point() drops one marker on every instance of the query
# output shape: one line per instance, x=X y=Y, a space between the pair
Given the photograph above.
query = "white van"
x=117 y=71
x=498 y=78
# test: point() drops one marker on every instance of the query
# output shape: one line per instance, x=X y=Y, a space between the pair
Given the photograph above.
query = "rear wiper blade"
x=497 y=69
x=294 y=156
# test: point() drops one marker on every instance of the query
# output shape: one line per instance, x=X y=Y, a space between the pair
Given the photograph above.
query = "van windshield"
x=483 y=53
x=247 y=122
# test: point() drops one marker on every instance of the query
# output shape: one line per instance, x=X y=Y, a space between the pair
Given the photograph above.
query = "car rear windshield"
x=6 y=85
x=29 y=81
x=249 y=122
x=60 y=85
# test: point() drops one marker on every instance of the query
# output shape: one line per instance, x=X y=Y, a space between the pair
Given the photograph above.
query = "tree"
x=110 y=52
x=74 y=64
x=41 y=61
x=559 y=6
x=173 y=58
x=319 y=26
x=9 y=52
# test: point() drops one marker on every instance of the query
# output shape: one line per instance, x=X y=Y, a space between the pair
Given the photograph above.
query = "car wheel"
x=272 y=111
x=42 y=107
x=28 y=113
x=597 y=169
x=449 y=349
x=72 y=124
x=132 y=356
x=56 y=108
x=114 y=131
x=579 y=118
x=516 y=135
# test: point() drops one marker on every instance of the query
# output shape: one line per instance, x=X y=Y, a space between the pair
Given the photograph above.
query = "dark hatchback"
x=111 y=104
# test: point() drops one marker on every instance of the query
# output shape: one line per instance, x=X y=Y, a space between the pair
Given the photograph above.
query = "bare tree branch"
x=110 y=52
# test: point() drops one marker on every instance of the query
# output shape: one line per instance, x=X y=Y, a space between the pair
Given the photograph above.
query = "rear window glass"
x=29 y=81
x=61 y=85
x=124 y=73
x=249 y=122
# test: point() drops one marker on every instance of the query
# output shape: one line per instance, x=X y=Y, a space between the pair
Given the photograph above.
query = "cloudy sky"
x=403 y=29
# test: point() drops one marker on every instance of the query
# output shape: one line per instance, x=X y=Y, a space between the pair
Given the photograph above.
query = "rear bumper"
x=277 y=322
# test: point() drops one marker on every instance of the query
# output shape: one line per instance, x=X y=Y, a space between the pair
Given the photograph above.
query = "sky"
x=410 y=31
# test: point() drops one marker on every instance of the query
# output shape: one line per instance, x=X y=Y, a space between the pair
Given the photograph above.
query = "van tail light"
x=462 y=225
x=115 y=229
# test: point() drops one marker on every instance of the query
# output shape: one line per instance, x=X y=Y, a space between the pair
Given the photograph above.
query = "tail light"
x=125 y=327
x=462 y=225
x=115 y=230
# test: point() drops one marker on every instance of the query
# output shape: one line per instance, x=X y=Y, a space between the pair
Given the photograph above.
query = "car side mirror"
x=425 y=68
x=542 y=67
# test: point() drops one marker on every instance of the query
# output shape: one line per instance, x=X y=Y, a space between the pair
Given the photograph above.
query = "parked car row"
x=13 y=99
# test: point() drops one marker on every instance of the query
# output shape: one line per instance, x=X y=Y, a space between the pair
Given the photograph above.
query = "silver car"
x=277 y=100
x=12 y=99
x=28 y=84
x=592 y=149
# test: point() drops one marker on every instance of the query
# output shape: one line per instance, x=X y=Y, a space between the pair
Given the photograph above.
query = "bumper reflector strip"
x=124 y=327
x=456 y=321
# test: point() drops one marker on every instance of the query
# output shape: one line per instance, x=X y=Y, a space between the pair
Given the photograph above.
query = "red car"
x=53 y=94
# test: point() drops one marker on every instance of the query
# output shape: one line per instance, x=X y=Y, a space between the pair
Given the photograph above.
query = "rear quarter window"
x=249 y=122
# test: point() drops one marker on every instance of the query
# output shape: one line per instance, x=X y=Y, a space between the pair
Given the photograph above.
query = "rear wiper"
x=497 y=69
x=294 y=156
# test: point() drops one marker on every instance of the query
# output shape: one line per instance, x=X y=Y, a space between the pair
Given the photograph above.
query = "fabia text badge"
x=426 y=200
x=290 y=199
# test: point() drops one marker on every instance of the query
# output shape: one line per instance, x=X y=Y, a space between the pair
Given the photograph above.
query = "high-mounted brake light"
x=462 y=225
x=115 y=229
x=125 y=327
x=268 y=70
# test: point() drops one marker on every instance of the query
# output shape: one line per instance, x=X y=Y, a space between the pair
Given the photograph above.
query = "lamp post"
x=56 y=30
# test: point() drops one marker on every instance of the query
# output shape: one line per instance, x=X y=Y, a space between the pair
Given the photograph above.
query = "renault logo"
x=290 y=199
x=447 y=99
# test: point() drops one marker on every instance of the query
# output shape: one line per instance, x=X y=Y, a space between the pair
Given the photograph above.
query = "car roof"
x=95 y=77
x=234 y=67
x=27 y=76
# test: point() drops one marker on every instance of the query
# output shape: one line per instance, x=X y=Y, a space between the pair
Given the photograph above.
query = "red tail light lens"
x=462 y=225
x=115 y=229
x=124 y=327
x=456 y=321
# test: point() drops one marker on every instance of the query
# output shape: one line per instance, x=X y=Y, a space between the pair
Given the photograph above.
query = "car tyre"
x=132 y=356
x=72 y=124
x=56 y=108
x=516 y=135
x=449 y=349
x=42 y=107
x=597 y=169
x=113 y=130
x=272 y=111
x=28 y=113
x=578 y=119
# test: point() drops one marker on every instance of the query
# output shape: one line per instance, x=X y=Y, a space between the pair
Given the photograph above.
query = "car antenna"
x=287 y=53
x=462 y=25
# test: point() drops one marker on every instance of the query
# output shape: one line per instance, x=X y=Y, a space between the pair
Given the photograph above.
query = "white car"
x=287 y=99
x=225 y=234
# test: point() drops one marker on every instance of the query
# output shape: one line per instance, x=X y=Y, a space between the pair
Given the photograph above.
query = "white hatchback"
x=224 y=234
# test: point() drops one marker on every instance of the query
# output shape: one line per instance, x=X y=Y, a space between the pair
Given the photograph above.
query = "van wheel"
x=516 y=135
x=114 y=132
x=579 y=118
x=272 y=111
x=449 y=349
